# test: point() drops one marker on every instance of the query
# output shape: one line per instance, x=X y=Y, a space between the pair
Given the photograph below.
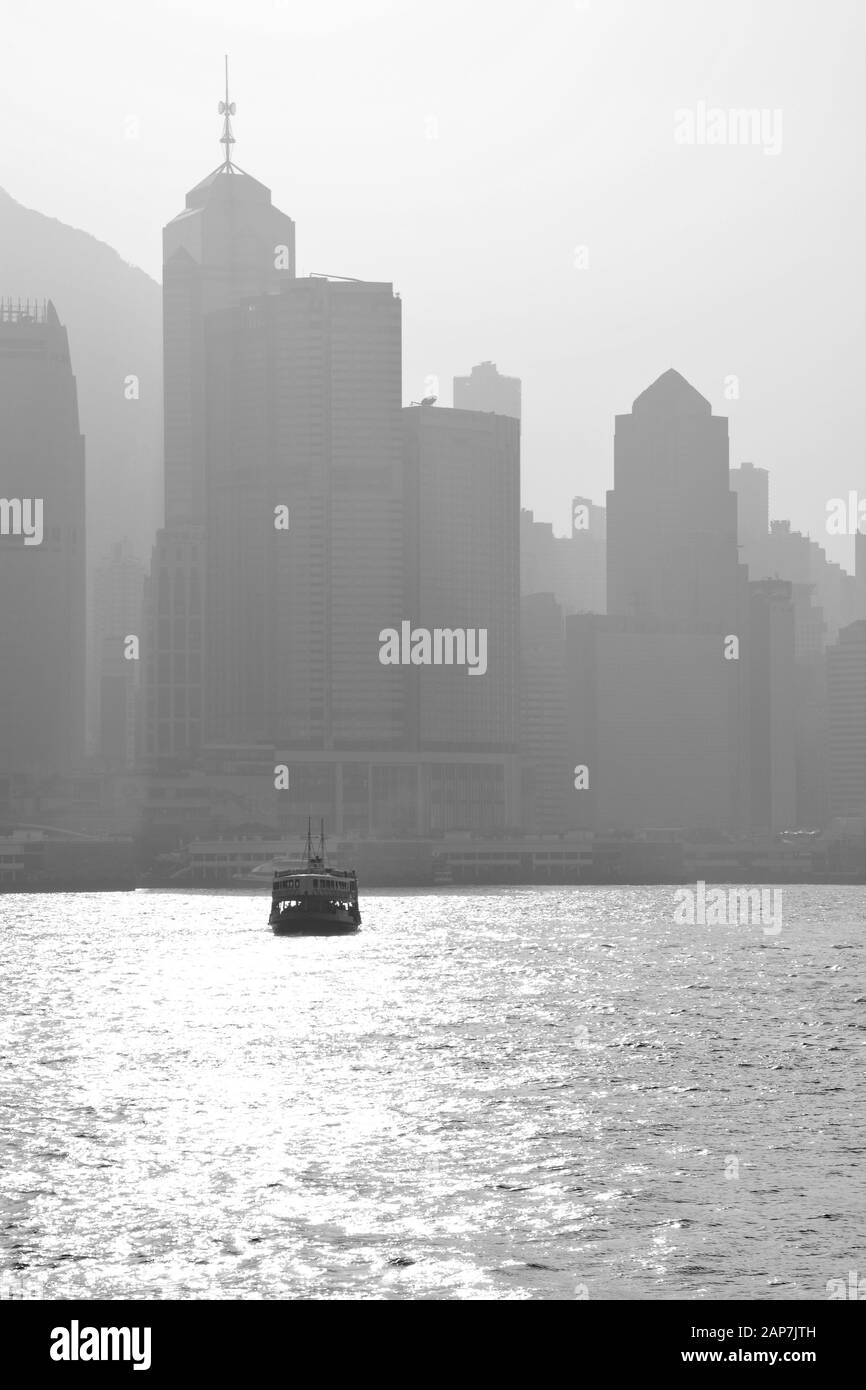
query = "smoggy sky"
x=464 y=150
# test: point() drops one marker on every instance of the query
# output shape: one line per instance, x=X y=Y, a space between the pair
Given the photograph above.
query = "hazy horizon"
x=465 y=155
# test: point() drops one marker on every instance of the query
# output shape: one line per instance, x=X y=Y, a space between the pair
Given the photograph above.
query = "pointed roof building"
x=672 y=517
x=671 y=394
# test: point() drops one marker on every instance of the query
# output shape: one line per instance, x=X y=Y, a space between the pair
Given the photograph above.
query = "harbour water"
x=490 y=1094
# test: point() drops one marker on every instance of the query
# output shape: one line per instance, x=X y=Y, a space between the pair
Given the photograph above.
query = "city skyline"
x=177 y=123
x=283 y=394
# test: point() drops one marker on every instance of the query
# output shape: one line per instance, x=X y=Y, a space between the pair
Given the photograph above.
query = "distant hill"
x=113 y=315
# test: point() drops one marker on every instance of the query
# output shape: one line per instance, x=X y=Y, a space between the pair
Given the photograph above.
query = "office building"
x=846 y=692
x=228 y=243
x=547 y=769
x=462 y=575
x=574 y=567
x=671 y=516
x=752 y=488
x=42 y=547
x=118 y=592
x=773 y=689
x=304 y=517
x=653 y=731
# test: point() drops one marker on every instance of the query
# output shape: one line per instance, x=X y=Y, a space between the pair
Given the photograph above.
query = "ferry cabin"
x=316 y=891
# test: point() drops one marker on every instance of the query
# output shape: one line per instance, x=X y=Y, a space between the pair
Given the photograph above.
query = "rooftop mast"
x=227 y=109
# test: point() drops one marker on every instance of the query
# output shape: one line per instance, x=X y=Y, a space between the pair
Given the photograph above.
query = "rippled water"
x=525 y=1093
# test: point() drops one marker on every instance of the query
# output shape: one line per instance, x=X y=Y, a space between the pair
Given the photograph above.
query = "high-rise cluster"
x=348 y=615
x=307 y=514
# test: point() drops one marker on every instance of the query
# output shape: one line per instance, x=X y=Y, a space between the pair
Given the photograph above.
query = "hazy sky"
x=464 y=149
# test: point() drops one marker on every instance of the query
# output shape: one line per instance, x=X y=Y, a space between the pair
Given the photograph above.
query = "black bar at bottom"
x=164 y=1340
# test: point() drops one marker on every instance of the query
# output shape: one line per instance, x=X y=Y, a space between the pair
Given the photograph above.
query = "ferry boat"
x=316 y=900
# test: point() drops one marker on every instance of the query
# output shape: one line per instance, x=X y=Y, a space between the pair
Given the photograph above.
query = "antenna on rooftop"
x=227 y=109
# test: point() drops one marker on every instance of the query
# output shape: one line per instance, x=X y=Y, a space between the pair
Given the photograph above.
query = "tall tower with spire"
x=228 y=243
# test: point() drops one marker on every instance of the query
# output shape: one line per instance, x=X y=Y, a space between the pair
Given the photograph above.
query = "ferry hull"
x=299 y=923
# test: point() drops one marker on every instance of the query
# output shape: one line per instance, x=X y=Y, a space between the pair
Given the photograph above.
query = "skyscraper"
x=652 y=717
x=118 y=588
x=228 y=243
x=462 y=574
x=860 y=571
x=772 y=763
x=544 y=744
x=572 y=568
x=462 y=569
x=486 y=389
x=304 y=540
x=671 y=516
x=42 y=546
x=752 y=486
x=662 y=722
x=787 y=554
x=846 y=691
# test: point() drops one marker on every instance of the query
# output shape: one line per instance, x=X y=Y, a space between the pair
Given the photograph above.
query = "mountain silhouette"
x=113 y=315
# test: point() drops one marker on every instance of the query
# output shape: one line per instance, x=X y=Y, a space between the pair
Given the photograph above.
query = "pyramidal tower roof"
x=227 y=182
x=671 y=394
